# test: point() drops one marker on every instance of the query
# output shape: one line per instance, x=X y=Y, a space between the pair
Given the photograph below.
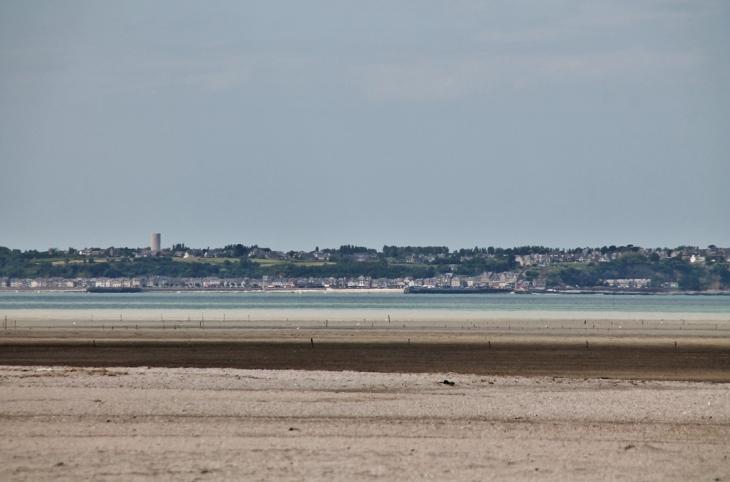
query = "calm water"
x=397 y=302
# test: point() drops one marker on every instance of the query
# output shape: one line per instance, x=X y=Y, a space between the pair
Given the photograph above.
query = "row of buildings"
x=508 y=280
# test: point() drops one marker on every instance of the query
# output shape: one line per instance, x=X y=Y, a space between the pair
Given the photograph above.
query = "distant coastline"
x=524 y=269
x=443 y=291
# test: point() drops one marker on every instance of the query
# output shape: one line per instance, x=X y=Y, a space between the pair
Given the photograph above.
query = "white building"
x=155 y=246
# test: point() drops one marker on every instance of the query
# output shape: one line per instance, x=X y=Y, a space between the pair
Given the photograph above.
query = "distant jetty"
x=113 y=290
x=420 y=290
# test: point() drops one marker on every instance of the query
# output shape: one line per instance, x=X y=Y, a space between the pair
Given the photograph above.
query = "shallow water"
x=355 y=307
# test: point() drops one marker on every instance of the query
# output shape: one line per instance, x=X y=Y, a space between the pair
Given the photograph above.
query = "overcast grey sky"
x=295 y=124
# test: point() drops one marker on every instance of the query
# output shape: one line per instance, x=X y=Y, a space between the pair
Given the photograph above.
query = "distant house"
x=363 y=257
x=697 y=259
x=628 y=283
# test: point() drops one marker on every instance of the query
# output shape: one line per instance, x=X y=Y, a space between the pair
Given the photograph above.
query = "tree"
x=237 y=250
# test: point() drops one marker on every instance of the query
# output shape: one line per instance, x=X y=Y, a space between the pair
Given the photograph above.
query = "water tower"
x=155 y=246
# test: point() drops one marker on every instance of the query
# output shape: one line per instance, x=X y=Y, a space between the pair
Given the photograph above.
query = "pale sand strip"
x=207 y=424
x=318 y=315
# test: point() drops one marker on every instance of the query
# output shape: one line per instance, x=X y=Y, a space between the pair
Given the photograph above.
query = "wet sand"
x=421 y=351
x=62 y=423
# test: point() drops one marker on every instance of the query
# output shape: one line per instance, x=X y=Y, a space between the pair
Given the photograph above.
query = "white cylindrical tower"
x=155 y=247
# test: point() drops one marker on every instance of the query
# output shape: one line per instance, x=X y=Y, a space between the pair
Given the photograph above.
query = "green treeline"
x=345 y=269
x=17 y=264
x=634 y=265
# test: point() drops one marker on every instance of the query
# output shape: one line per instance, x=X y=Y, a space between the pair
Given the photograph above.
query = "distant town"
x=524 y=269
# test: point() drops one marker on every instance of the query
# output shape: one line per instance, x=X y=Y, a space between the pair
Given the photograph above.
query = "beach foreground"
x=66 y=423
x=346 y=404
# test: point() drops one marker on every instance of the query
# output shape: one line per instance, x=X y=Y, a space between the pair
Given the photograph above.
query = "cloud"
x=424 y=80
x=222 y=74
x=432 y=80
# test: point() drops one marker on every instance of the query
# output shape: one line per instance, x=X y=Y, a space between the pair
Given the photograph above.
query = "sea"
x=331 y=308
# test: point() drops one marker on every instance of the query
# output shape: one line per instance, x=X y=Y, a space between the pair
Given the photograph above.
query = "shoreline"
x=214 y=290
x=586 y=292
x=389 y=317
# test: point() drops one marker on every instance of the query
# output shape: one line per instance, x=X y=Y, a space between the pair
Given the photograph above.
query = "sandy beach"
x=64 y=423
x=284 y=403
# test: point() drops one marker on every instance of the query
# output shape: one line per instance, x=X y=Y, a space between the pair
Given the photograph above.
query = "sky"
x=299 y=124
